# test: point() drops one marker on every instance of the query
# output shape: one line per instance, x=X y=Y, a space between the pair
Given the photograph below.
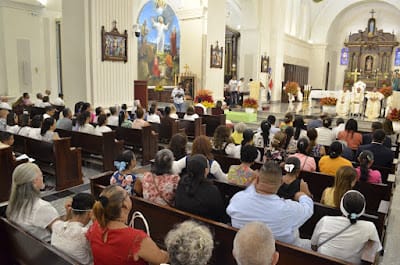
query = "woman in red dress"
x=112 y=241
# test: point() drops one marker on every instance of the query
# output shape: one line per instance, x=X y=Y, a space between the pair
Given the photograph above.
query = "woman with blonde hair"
x=346 y=178
x=277 y=151
x=25 y=207
x=112 y=241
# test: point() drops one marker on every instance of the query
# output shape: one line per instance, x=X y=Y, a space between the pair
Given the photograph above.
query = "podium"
x=140 y=92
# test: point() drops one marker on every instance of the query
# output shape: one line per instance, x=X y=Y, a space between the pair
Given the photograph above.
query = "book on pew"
x=24 y=156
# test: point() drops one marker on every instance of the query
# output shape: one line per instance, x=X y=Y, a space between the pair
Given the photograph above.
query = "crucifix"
x=355 y=74
x=372 y=13
x=114 y=24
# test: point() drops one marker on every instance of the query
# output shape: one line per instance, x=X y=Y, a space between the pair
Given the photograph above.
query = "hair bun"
x=104 y=201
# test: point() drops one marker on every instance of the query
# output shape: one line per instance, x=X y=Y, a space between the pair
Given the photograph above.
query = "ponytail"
x=47 y=123
x=364 y=169
x=99 y=213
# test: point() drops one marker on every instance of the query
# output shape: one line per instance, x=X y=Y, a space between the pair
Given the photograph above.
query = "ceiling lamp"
x=42 y=2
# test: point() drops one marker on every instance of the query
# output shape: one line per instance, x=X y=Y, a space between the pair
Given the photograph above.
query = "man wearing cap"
x=259 y=202
x=4 y=110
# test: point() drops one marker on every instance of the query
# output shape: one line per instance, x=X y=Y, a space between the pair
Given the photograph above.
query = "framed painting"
x=188 y=83
x=264 y=64
x=216 y=56
x=114 y=45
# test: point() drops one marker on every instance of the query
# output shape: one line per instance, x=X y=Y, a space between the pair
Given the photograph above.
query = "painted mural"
x=158 y=44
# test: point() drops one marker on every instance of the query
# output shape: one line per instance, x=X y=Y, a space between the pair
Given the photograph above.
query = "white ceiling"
x=53 y=5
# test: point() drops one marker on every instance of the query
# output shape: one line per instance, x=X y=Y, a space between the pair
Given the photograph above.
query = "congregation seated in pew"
x=12 y=123
x=222 y=139
x=329 y=164
x=102 y=125
x=139 y=122
x=190 y=114
x=243 y=174
x=307 y=163
x=178 y=145
x=364 y=171
x=65 y=123
x=291 y=183
x=350 y=134
x=83 y=122
x=125 y=162
x=345 y=236
x=47 y=131
x=113 y=118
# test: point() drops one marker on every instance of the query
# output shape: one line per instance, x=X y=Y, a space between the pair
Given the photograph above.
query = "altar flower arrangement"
x=328 y=101
x=206 y=98
x=250 y=103
x=159 y=88
x=291 y=88
x=394 y=115
x=386 y=91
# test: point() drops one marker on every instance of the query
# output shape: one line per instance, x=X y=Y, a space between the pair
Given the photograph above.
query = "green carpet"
x=241 y=116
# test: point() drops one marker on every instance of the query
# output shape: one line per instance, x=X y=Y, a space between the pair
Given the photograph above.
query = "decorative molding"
x=194 y=13
x=21 y=6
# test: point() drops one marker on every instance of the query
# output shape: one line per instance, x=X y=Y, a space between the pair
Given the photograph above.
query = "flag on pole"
x=270 y=84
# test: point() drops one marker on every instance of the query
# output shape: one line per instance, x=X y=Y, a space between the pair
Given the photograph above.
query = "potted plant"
x=250 y=105
x=328 y=104
x=291 y=88
x=206 y=98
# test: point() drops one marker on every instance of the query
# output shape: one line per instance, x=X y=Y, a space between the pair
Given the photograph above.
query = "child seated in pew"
x=291 y=183
x=69 y=236
x=222 y=139
x=346 y=178
x=6 y=139
x=125 y=163
x=190 y=114
x=242 y=174
x=364 y=171
x=344 y=237
x=139 y=122
x=123 y=119
x=12 y=123
x=25 y=207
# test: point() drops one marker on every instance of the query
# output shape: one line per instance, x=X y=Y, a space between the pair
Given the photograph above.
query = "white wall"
x=23 y=22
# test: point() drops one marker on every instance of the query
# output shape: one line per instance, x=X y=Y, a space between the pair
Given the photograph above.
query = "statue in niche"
x=371 y=26
x=354 y=62
x=369 y=61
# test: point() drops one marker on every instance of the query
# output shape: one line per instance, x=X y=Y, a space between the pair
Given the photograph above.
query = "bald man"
x=254 y=244
x=259 y=202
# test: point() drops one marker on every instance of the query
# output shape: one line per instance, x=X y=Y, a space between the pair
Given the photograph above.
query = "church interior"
x=315 y=59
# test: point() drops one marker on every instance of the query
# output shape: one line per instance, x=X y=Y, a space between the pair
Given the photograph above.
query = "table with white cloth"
x=318 y=94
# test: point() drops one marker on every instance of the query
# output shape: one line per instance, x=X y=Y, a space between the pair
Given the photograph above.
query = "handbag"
x=139 y=215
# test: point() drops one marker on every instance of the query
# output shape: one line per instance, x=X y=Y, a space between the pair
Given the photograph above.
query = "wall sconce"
x=136 y=29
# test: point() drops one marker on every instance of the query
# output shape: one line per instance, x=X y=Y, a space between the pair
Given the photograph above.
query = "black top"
x=383 y=156
x=287 y=191
x=206 y=201
x=367 y=139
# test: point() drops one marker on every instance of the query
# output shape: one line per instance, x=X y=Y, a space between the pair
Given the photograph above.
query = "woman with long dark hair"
x=47 y=131
x=364 y=171
x=350 y=135
x=300 y=129
x=196 y=194
x=84 y=123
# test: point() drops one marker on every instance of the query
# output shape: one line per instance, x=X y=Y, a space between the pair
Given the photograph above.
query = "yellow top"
x=237 y=137
x=329 y=166
x=327 y=197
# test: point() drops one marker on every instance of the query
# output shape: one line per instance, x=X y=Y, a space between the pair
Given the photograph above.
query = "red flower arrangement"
x=206 y=98
x=386 y=91
x=250 y=103
x=394 y=115
x=328 y=101
x=291 y=88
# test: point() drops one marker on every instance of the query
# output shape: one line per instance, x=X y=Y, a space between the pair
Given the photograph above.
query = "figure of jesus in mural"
x=160 y=27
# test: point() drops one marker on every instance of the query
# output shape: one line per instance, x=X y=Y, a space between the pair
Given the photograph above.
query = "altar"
x=318 y=94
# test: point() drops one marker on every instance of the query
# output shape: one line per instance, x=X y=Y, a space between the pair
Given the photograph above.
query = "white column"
x=3 y=75
x=216 y=16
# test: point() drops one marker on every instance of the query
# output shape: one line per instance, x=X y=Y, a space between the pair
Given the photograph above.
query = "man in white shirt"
x=178 y=95
x=233 y=88
x=259 y=202
x=60 y=100
x=4 y=110
x=241 y=87
x=339 y=127
x=39 y=100
x=50 y=111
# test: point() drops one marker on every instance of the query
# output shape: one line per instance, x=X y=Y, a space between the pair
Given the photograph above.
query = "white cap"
x=4 y=105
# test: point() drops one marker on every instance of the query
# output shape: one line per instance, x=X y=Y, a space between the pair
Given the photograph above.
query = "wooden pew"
x=377 y=196
x=226 y=161
x=192 y=129
x=141 y=139
x=168 y=128
x=19 y=247
x=213 y=121
x=104 y=145
x=58 y=159
x=161 y=219
x=7 y=165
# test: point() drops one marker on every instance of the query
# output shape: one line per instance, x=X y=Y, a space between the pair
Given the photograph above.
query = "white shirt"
x=336 y=130
x=99 y=130
x=13 y=129
x=174 y=116
x=153 y=118
x=59 y=102
x=24 y=131
x=87 y=128
x=325 y=136
x=233 y=84
x=348 y=245
x=178 y=94
x=42 y=215
x=45 y=116
x=70 y=238
x=35 y=134
x=190 y=117
x=38 y=102
x=202 y=106
x=113 y=120
x=215 y=169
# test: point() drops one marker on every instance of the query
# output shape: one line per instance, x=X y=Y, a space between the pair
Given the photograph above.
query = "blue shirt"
x=283 y=217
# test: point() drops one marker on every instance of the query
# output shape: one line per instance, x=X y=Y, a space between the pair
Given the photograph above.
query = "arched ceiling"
x=327 y=15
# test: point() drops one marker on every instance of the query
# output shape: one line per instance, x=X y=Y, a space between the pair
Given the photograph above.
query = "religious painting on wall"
x=264 y=64
x=114 y=45
x=397 y=57
x=188 y=87
x=158 y=44
x=217 y=56
x=344 y=57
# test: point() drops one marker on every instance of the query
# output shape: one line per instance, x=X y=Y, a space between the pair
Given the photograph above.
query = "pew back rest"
x=40 y=150
x=213 y=121
x=7 y=167
x=19 y=247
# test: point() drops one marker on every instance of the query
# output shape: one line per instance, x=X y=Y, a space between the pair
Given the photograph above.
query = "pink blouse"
x=307 y=163
x=374 y=176
x=160 y=189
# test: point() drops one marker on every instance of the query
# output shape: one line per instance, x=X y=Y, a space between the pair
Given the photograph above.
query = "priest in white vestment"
x=373 y=108
x=343 y=103
x=357 y=99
